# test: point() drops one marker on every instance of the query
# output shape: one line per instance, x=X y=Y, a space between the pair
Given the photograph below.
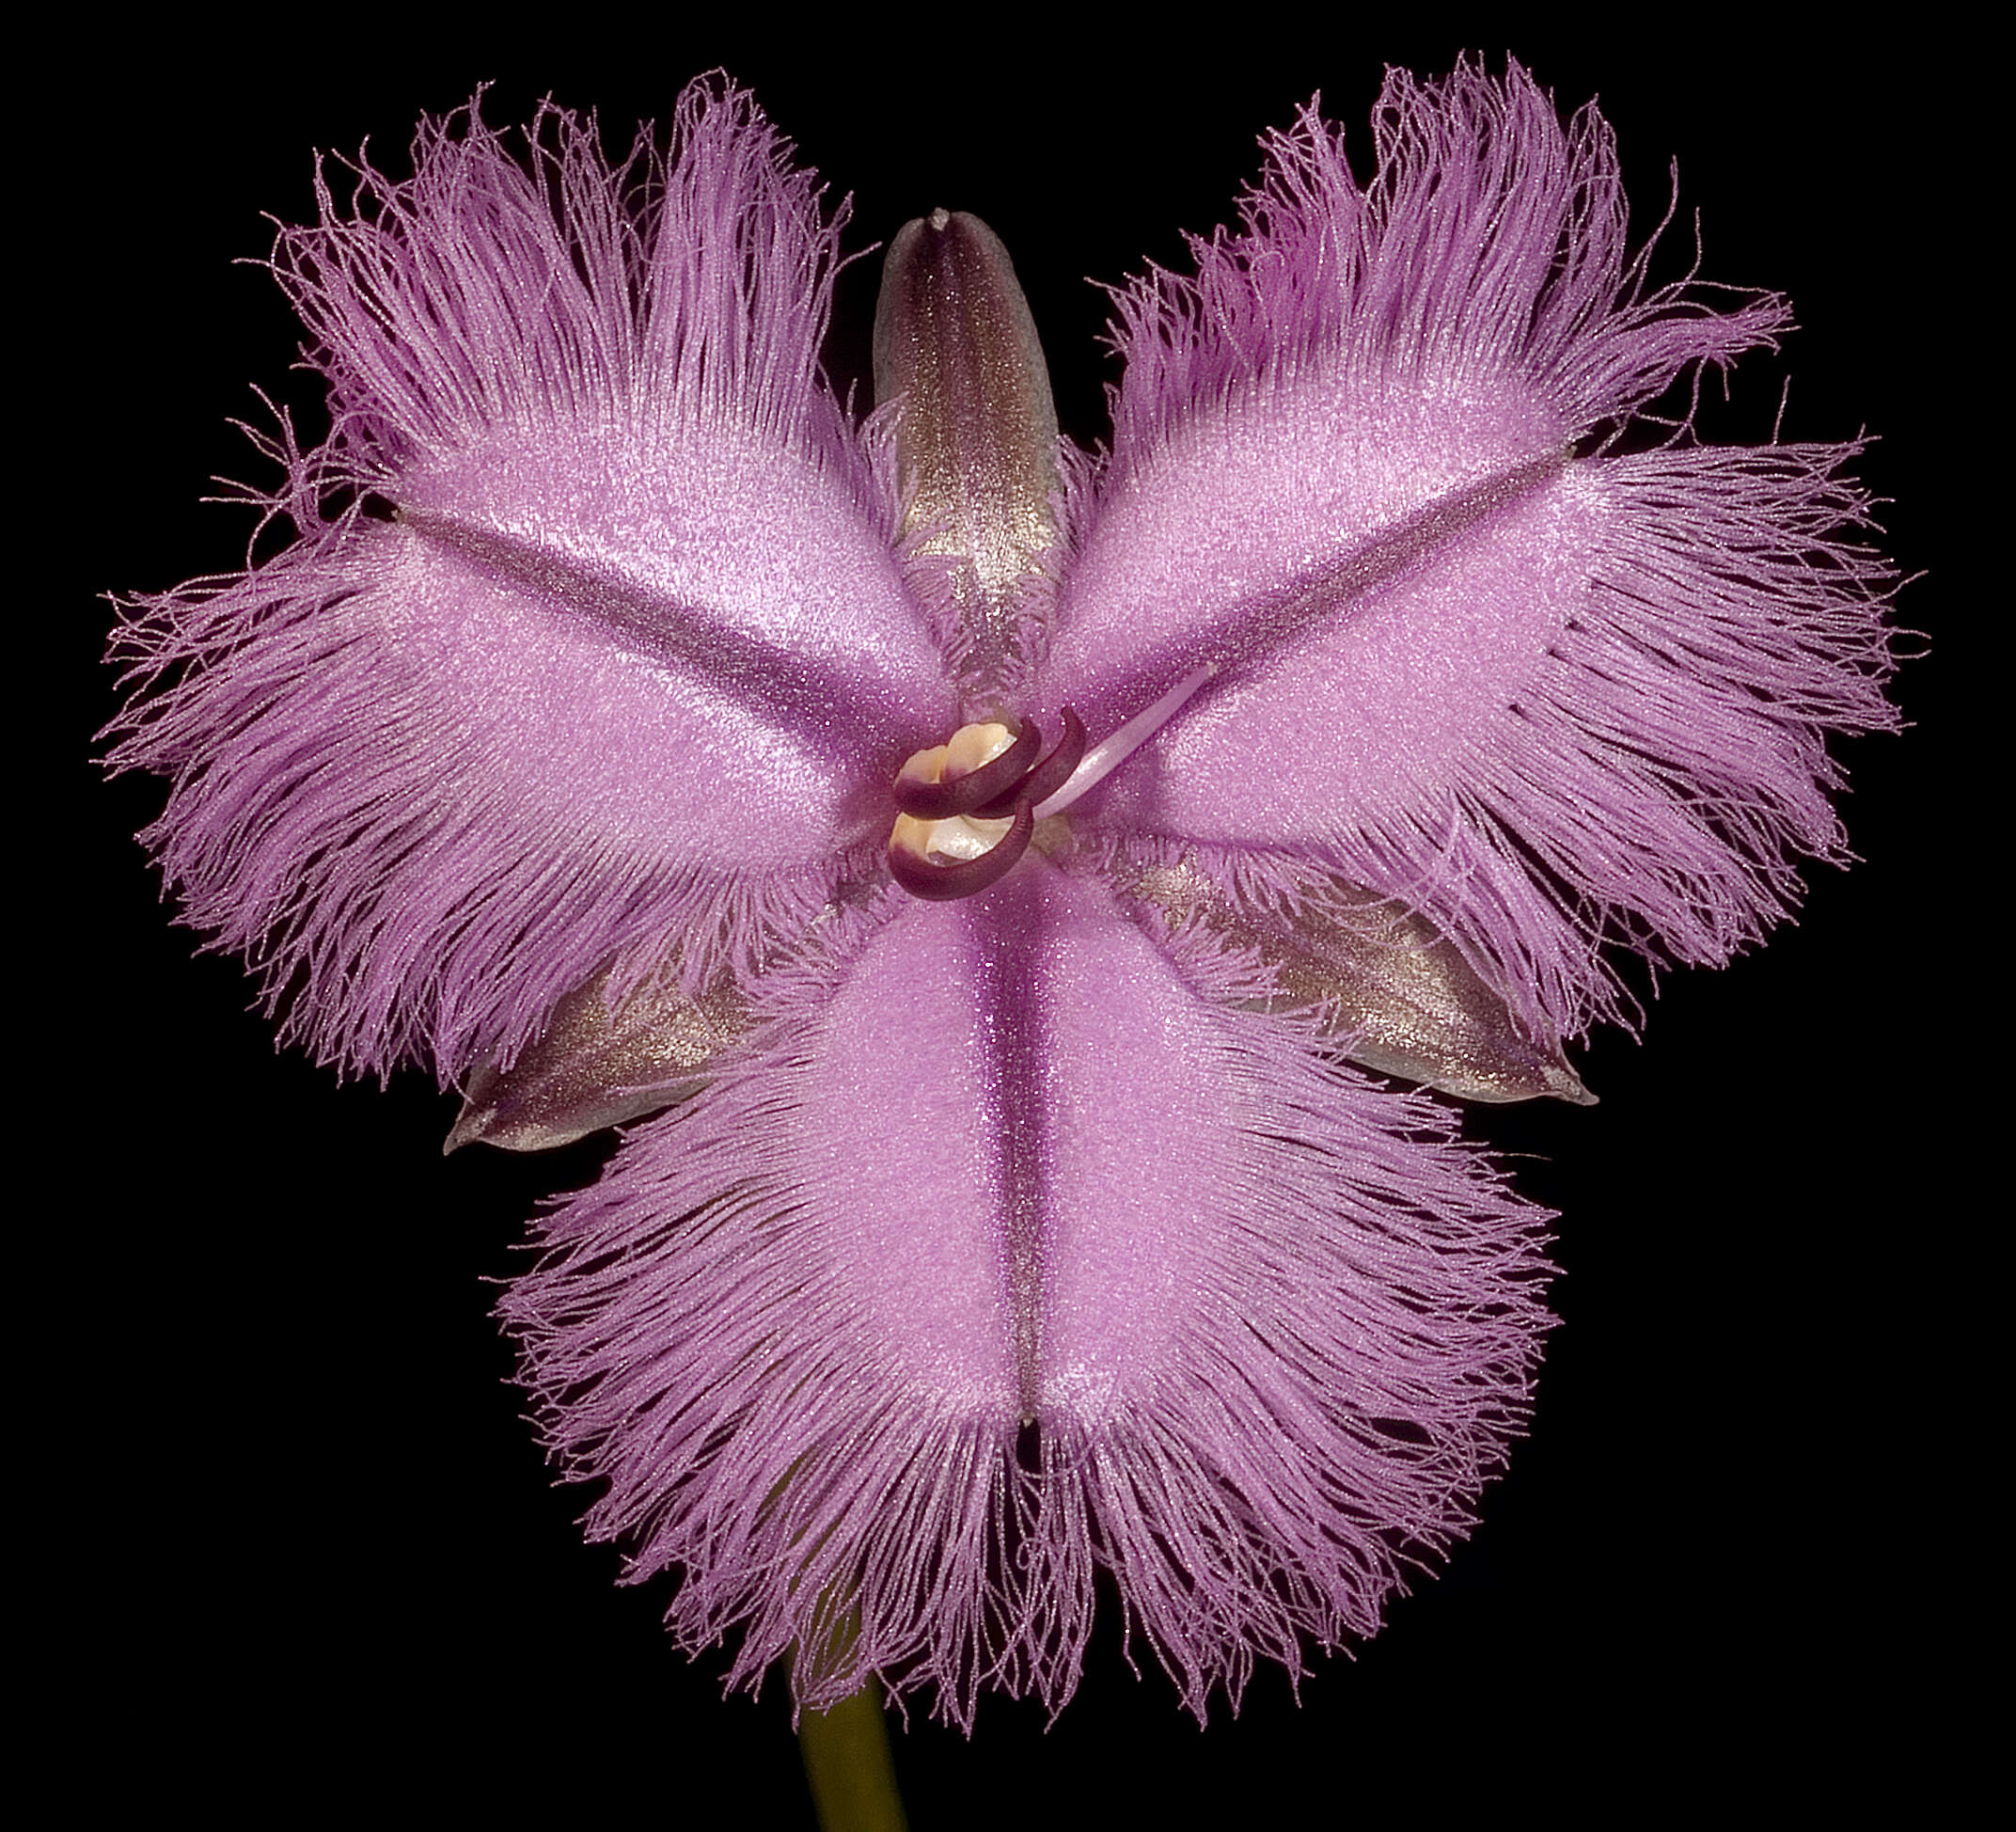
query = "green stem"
x=847 y=1763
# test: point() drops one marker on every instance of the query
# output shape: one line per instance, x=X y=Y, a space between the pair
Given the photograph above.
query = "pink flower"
x=992 y=1240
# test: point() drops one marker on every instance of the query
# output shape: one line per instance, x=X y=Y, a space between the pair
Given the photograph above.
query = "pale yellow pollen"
x=923 y=765
x=961 y=837
x=947 y=842
x=972 y=745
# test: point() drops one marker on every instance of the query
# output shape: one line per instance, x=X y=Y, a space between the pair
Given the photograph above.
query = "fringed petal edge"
x=1490 y=243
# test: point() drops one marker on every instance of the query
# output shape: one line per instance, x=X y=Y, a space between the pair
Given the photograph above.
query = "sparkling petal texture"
x=997 y=1241
x=1553 y=700
x=1275 y=1328
x=640 y=578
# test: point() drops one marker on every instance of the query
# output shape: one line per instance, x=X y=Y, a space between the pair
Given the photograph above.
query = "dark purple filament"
x=1009 y=789
x=994 y=781
x=1045 y=778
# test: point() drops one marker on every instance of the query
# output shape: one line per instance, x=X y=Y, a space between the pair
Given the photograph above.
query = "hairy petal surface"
x=996 y=1240
x=1488 y=246
x=1271 y=1328
x=631 y=651
x=1551 y=700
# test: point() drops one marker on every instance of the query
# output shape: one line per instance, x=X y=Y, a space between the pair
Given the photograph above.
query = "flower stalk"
x=849 y=1766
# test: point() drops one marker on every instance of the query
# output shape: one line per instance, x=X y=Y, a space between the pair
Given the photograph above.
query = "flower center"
x=966 y=808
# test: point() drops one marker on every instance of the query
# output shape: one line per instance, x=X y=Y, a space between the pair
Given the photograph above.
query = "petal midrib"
x=816 y=703
x=1007 y=941
x=1253 y=631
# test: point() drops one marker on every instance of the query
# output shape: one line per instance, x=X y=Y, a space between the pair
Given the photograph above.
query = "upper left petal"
x=626 y=662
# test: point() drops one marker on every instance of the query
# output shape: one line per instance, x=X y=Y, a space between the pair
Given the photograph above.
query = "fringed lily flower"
x=1010 y=880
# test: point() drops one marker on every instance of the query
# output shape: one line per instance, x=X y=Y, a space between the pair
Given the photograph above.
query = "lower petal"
x=1006 y=1164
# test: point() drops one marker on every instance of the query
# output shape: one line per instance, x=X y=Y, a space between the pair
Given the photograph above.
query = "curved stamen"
x=1048 y=775
x=948 y=840
x=1109 y=753
x=943 y=883
x=994 y=781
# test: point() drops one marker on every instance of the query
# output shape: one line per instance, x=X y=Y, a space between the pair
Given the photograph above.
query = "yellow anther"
x=943 y=846
x=958 y=838
x=970 y=747
x=923 y=765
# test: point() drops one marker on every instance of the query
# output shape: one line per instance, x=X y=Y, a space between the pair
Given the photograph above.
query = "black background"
x=297 y=1540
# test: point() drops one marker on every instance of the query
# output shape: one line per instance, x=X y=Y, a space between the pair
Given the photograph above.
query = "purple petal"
x=1274 y=1330
x=1487 y=250
x=632 y=660
x=1555 y=701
